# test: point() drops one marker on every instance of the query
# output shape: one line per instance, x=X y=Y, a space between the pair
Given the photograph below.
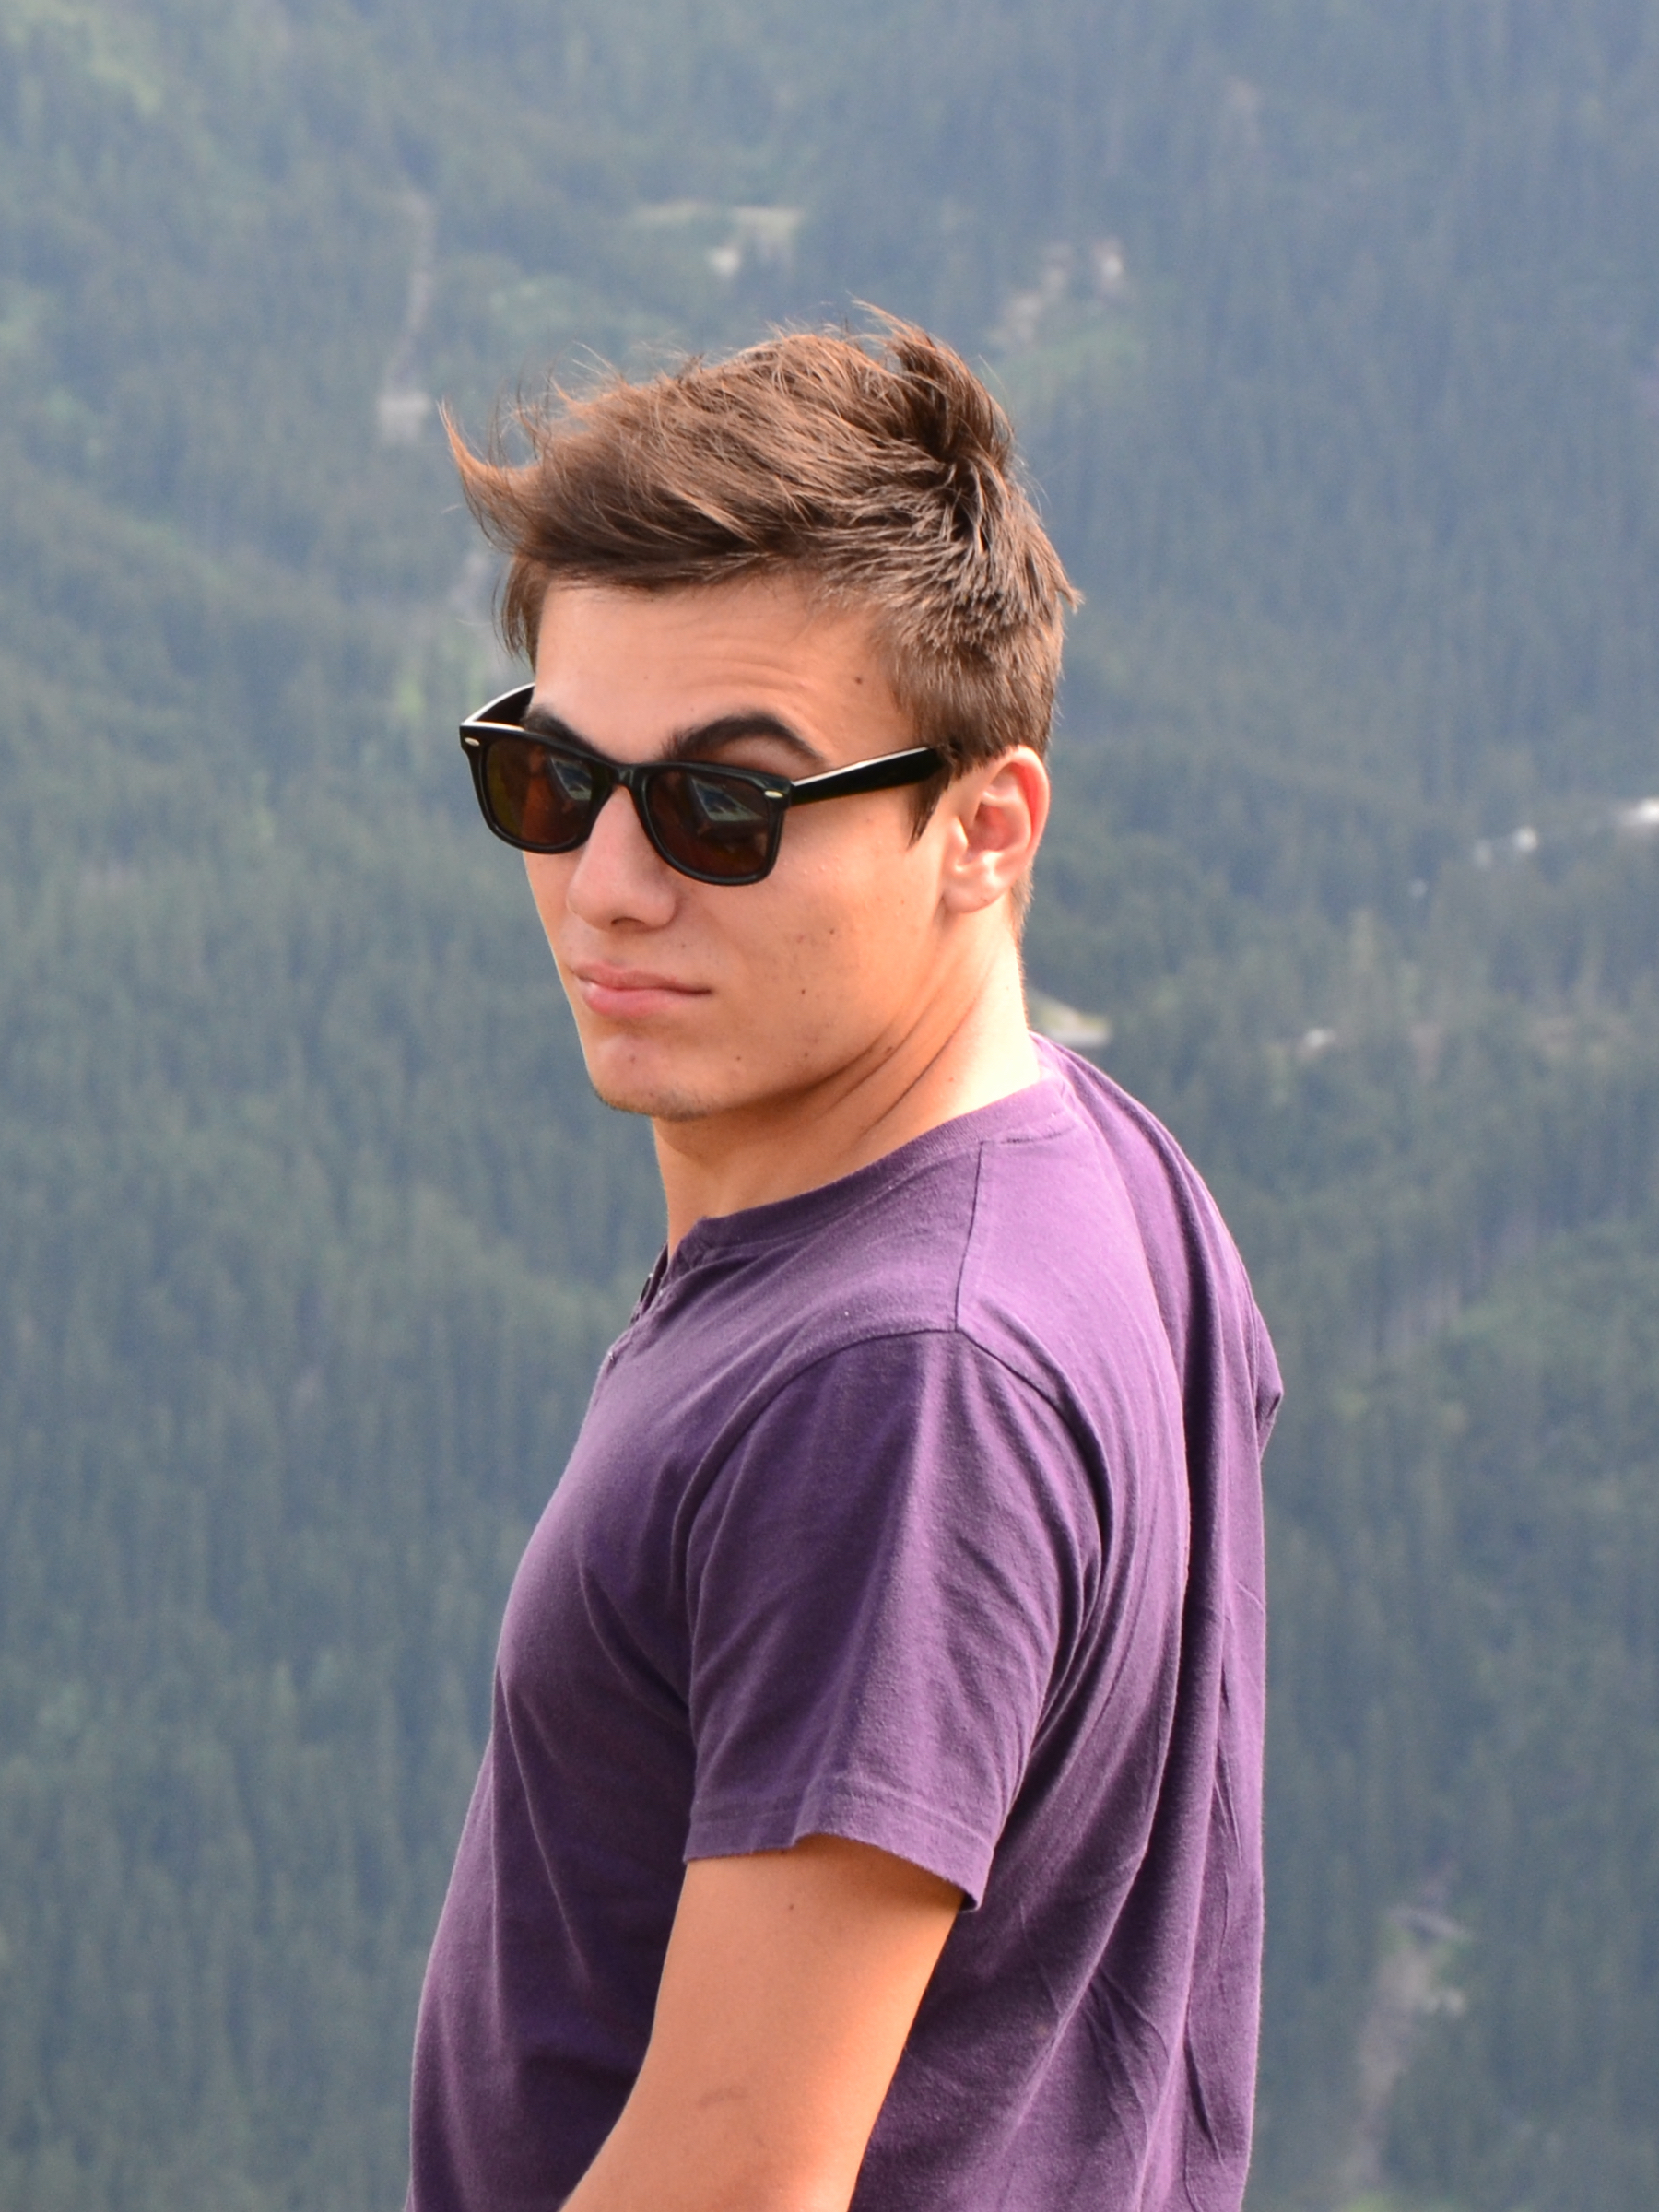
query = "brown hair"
x=882 y=477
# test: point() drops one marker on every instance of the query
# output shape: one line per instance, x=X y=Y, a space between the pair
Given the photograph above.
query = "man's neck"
x=961 y=1058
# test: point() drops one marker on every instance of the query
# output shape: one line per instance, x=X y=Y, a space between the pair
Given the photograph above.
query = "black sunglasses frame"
x=503 y=718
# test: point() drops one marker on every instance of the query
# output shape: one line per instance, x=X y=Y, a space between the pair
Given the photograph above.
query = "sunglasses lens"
x=718 y=829
x=540 y=799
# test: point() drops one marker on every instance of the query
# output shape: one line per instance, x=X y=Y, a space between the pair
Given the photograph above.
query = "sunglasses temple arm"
x=886 y=773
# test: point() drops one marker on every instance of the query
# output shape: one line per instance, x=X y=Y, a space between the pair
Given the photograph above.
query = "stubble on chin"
x=655 y=1103
x=618 y=1079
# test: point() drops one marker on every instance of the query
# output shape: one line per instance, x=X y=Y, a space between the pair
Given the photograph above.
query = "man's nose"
x=618 y=874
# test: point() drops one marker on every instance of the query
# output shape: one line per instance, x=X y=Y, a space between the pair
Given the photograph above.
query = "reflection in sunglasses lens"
x=716 y=828
x=544 y=798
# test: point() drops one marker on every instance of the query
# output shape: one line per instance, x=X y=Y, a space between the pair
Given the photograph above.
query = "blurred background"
x=1332 y=330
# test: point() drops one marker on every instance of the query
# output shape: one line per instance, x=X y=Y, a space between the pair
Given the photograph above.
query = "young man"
x=871 y=1812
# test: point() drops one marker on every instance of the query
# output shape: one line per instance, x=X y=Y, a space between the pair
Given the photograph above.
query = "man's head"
x=790 y=561
x=882 y=481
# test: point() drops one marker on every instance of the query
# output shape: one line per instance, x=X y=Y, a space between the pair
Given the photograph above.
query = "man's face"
x=696 y=1000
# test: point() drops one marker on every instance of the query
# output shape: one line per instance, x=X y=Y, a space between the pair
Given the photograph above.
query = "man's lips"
x=629 y=992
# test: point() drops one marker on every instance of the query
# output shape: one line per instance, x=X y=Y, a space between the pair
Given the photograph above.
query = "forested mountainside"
x=1332 y=333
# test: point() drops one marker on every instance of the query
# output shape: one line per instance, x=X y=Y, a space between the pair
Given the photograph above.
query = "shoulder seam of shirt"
x=737 y=1437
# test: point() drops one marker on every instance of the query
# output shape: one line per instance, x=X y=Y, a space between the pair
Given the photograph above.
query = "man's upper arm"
x=790 y=1984
x=893 y=1569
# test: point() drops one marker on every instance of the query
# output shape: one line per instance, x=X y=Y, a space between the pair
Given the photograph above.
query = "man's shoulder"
x=1059 y=1232
x=1137 y=1227
x=1015 y=1200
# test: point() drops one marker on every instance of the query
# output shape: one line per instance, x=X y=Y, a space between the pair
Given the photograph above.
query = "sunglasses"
x=714 y=824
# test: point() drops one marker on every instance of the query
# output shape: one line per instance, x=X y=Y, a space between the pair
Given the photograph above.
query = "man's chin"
x=657 y=1101
x=658 y=1106
x=683 y=1087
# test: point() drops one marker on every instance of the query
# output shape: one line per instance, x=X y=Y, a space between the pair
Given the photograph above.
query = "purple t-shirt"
x=924 y=1509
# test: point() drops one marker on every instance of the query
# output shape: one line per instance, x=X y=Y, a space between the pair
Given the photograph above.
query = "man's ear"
x=997 y=817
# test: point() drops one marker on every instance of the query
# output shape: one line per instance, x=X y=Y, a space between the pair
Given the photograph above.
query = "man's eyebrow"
x=698 y=742
x=541 y=722
x=706 y=738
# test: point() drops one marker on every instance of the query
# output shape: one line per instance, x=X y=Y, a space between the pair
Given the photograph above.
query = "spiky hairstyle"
x=881 y=473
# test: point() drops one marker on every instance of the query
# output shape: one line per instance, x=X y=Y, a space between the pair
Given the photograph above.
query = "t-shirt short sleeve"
x=886 y=1580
